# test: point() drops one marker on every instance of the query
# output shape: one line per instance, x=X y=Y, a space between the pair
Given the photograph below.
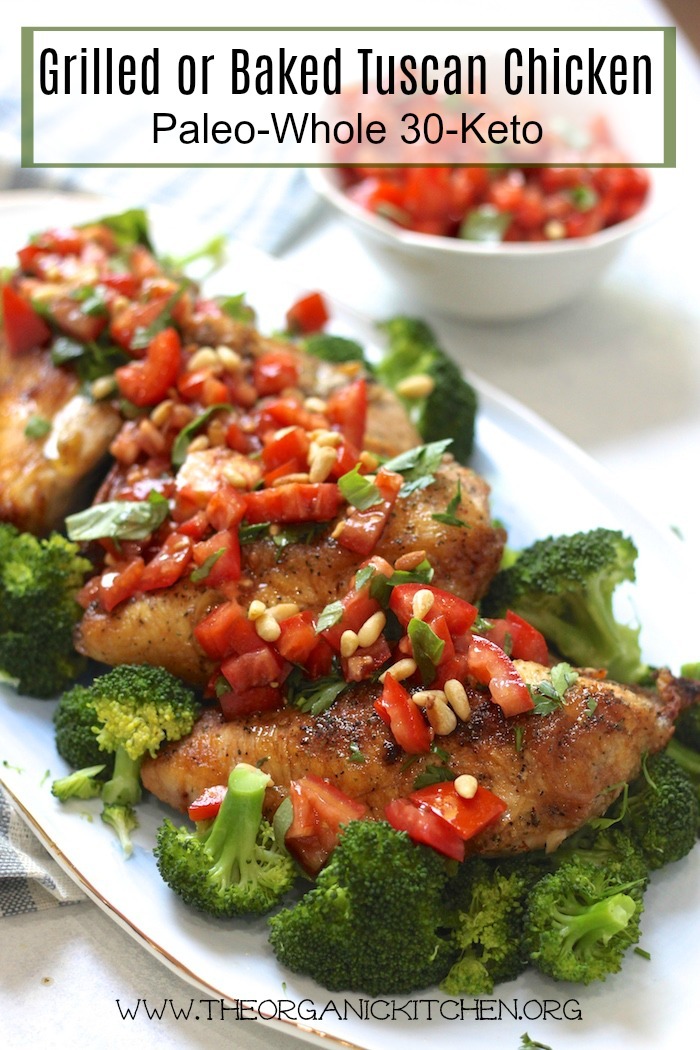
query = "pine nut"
x=103 y=387
x=337 y=530
x=231 y=361
x=457 y=698
x=326 y=437
x=256 y=609
x=554 y=230
x=408 y=562
x=205 y=357
x=283 y=611
x=466 y=785
x=322 y=463
x=422 y=603
x=161 y=414
x=369 y=461
x=415 y=386
x=426 y=697
x=441 y=717
x=371 y=629
x=267 y=628
x=315 y=404
x=349 y=644
x=290 y=479
x=401 y=669
x=151 y=438
x=199 y=444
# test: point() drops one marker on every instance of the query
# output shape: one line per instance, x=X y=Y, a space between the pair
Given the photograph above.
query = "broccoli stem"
x=124 y=789
x=686 y=757
x=587 y=925
x=232 y=838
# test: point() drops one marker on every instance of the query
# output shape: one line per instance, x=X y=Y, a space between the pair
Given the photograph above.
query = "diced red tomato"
x=366 y=661
x=424 y=825
x=274 y=371
x=459 y=615
x=117 y=585
x=491 y=667
x=362 y=529
x=147 y=382
x=519 y=638
x=123 y=283
x=260 y=666
x=319 y=662
x=135 y=317
x=208 y=804
x=69 y=317
x=227 y=566
x=468 y=816
x=357 y=607
x=347 y=411
x=226 y=507
x=319 y=811
x=308 y=314
x=297 y=501
x=56 y=242
x=408 y=726
x=24 y=329
x=292 y=446
x=169 y=564
x=240 y=702
x=298 y=639
x=218 y=632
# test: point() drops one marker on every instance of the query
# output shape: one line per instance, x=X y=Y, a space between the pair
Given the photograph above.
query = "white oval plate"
x=541 y=484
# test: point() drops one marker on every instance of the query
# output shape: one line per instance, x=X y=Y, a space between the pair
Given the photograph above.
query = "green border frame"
x=27 y=84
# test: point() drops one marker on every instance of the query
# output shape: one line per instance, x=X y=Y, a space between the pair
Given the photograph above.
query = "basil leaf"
x=358 y=490
x=433 y=774
x=381 y=586
x=363 y=576
x=118 y=520
x=250 y=533
x=205 y=568
x=449 y=517
x=548 y=695
x=315 y=697
x=37 y=428
x=427 y=648
x=182 y=441
x=418 y=465
x=329 y=616
x=128 y=227
x=485 y=224
x=236 y=307
x=91 y=360
x=583 y=198
x=143 y=335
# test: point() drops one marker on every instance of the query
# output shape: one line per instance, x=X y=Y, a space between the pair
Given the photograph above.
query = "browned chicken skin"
x=568 y=769
x=157 y=627
x=40 y=478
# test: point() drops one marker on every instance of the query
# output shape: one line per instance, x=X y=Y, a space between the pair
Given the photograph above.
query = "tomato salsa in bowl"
x=493 y=244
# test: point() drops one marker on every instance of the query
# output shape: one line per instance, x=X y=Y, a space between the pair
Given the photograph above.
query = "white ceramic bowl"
x=488 y=282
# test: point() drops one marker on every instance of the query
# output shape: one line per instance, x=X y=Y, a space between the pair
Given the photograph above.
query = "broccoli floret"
x=689 y=761
x=580 y=921
x=688 y=722
x=661 y=811
x=449 y=410
x=372 y=923
x=137 y=708
x=230 y=865
x=610 y=848
x=564 y=586
x=489 y=926
x=122 y=820
x=76 y=727
x=81 y=783
x=39 y=579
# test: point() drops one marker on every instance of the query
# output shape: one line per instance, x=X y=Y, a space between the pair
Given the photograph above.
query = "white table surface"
x=619 y=373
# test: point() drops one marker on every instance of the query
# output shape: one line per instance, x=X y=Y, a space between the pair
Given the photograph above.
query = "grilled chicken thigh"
x=568 y=768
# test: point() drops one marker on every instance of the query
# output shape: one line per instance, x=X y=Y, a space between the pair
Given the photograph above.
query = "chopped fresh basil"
x=418 y=465
x=182 y=441
x=128 y=227
x=356 y=755
x=313 y=696
x=304 y=532
x=92 y=301
x=548 y=695
x=235 y=307
x=433 y=774
x=518 y=733
x=143 y=335
x=205 y=568
x=90 y=360
x=450 y=517
x=382 y=586
x=37 y=428
x=485 y=224
x=119 y=519
x=359 y=490
x=363 y=576
x=329 y=616
x=427 y=648
x=583 y=198
x=250 y=533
